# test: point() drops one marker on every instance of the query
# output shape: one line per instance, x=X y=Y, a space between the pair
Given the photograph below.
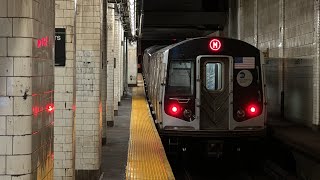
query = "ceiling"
x=178 y=19
x=169 y=21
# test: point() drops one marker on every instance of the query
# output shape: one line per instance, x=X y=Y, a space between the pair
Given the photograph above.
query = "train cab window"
x=181 y=77
x=213 y=76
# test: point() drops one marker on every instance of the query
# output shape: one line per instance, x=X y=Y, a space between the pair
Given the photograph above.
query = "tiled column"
x=88 y=74
x=121 y=61
x=239 y=18
x=316 y=66
x=26 y=89
x=110 y=65
x=132 y=63
x=104 y=72
x=117 y=63
x=125 y=67
x=65 y=96
x=255 y=23
x=248 y=21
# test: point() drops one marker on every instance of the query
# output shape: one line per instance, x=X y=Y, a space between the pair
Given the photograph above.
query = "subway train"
x=206 y=87
x=146 y=58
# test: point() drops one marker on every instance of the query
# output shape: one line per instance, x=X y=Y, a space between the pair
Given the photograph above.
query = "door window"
x=213 y=76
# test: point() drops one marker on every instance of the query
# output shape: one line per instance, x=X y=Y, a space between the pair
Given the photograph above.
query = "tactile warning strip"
x=146 y=155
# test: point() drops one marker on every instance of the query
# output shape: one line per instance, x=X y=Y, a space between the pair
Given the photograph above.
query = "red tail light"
x=175 y=109
x=180 y=107
x=252 y=110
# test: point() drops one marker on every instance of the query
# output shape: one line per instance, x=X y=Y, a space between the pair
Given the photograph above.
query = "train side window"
x=213 y=76
x=181 y=77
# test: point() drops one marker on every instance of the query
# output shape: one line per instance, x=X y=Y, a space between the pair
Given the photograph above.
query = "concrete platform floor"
x=115 y=152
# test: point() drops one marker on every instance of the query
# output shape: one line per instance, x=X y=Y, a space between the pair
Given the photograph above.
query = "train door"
x=214 y=88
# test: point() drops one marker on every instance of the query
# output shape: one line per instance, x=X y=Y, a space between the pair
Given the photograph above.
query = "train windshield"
x=181 y=78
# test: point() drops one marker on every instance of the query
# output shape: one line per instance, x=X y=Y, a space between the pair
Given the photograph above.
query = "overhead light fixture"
x=132 y=15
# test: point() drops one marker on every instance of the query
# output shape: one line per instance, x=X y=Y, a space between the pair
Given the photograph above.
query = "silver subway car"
x=210 y=87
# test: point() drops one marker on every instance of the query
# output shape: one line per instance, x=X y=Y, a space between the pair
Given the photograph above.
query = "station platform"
x=146 y=155
x=134 y=149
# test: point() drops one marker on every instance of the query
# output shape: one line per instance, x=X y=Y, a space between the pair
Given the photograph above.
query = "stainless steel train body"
x=146 y=59
x=211 y=86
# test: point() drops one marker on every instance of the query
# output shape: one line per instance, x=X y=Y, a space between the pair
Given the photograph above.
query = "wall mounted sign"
x=60 y=47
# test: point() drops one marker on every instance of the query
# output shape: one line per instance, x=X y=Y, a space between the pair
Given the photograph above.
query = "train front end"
x=213 y=87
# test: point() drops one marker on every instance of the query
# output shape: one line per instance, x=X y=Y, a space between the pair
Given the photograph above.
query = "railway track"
x=191 y=166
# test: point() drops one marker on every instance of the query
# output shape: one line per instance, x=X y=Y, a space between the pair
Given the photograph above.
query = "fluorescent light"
x=132 y=16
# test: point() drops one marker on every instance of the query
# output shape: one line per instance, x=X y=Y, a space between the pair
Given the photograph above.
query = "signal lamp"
x=252 y=110
x=175 y=109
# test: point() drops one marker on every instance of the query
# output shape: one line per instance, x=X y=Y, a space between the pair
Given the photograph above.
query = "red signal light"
x=215 y=44
x=175 y=109
x=252 y=110
x=50 y=108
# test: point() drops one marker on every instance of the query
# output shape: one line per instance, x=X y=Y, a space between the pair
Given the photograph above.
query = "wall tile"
x=6 y=145
x=19 y=164
x=6 y=27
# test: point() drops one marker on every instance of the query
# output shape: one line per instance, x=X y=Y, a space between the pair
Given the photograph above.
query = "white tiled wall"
x=110 y=65
x=288 y=30
x=65 y=92
x=88 y=71
x=297 y=26
x=26 y=89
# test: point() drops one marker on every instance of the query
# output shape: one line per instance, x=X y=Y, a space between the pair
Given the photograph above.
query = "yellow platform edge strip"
x=146 y=154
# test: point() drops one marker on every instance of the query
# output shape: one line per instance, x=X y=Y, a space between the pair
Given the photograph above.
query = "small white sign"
x=244 y=78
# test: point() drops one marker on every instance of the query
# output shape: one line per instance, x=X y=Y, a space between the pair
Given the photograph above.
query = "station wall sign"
x=60 y=47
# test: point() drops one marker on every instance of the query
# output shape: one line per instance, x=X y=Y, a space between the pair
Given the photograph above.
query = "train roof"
x=192 y=47
x=199 y=38
x=153 y=49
